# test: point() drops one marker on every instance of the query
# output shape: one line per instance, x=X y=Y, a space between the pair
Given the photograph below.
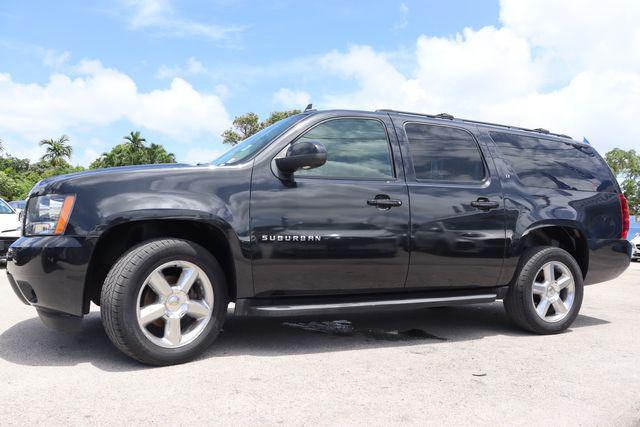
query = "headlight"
x=48 y=215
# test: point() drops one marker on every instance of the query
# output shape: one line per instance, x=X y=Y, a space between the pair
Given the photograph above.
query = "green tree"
x=135 y=148
x=18 y=176
x=157 y=154
x=135 y=139
x=247 y=124
x=9 y=187
x=58 y=151
x=625 y=164
x=133 y=151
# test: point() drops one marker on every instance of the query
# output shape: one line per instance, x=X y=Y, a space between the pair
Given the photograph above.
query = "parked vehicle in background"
x=325 y=212
x=18 y=205
x=10 y=228
x=636 y=247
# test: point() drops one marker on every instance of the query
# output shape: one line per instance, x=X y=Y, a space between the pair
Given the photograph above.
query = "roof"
x=449 y=117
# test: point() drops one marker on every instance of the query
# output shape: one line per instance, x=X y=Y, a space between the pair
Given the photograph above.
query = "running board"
x=305 y=306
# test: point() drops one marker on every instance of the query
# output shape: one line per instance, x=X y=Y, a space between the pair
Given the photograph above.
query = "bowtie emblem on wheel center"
x=175 y=305
x=553 y=292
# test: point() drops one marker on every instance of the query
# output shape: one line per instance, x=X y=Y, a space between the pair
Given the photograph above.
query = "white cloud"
x=55 y=59
x=94 y=96
x=180 y=111
x=572 y=67
x=291 y=99
x=404 y=17
x=193 y=67
x=160 y=15
x=578 y=34
x=85 y=158
x=222 y=90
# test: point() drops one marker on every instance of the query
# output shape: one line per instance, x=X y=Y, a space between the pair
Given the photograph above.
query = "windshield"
x=255 y=142
x=4 y=208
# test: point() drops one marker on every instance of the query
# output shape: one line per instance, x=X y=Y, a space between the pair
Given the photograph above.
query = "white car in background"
x=635 y=243
x=10 y=228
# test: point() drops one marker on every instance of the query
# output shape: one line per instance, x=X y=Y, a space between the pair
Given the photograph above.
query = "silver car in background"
x=10 y=228
x=635 y=243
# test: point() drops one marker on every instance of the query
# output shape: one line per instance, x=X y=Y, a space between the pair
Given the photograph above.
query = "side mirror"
x=302 y=155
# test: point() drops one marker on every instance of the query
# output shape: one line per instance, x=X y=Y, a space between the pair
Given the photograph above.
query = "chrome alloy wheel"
x=175 y=304
x=554 y=291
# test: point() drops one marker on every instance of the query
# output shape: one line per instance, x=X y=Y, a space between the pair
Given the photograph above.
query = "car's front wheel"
x=164 y=301
x=547 y=293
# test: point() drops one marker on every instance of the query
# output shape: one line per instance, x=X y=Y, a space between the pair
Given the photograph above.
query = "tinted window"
x=356 y=148
x=547 y=163
x=444 y=154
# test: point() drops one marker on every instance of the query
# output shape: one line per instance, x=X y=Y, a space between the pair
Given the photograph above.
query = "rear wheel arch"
x=568 y=237
x=118 y=239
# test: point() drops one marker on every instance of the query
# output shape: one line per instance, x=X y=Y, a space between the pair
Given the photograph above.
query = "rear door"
x=457 y=208
x=342 y=227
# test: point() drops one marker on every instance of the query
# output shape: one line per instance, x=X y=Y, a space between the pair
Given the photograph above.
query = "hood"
x=56 y=184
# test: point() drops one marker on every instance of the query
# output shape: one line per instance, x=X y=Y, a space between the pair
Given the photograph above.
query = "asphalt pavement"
x=458 y=365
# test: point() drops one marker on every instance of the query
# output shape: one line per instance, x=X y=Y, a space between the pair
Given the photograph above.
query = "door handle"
x=384 y=203
x=484 y=204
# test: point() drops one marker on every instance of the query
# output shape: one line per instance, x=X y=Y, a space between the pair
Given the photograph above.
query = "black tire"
x=120 y=291
x=519 y=303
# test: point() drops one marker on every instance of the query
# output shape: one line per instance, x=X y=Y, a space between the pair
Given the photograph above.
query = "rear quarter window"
x=548 y=163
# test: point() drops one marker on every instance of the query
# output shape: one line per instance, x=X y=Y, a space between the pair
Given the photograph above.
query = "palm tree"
x=135 y=139
x=157 y=154
x=58 y=151
x=135 y=149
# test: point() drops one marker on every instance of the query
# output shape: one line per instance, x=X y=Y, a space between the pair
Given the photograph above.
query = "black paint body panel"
x=362 y=248
x=435 y=241
x=50 y=271
x=453 y=245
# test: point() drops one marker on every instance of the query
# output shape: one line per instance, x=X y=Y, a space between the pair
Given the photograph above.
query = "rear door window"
x=443 y=153
x=548 y=163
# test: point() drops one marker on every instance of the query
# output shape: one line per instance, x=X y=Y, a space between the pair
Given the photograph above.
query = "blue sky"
x=180 y=71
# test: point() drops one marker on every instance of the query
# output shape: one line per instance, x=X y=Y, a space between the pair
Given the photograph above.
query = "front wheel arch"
x=117 y=239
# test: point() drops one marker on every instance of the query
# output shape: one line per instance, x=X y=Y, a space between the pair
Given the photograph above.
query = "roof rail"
x=446 y=116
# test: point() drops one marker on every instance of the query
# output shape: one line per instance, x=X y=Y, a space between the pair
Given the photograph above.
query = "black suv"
x=325 y=212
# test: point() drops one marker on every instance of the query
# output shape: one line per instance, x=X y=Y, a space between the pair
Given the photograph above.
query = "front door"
x=457 y=209
x=342 y=227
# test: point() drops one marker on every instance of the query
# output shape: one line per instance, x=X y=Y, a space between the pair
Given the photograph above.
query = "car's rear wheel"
x=164 y=301
x=547 y=294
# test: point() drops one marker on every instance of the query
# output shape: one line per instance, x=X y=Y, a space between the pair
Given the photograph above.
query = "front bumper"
x=49 y=273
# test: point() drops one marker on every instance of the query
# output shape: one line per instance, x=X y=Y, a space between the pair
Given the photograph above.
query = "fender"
x=241 y=259
x=568 y=223
x=212 y=196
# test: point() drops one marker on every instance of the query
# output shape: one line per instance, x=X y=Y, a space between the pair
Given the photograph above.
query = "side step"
x=301 y=306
